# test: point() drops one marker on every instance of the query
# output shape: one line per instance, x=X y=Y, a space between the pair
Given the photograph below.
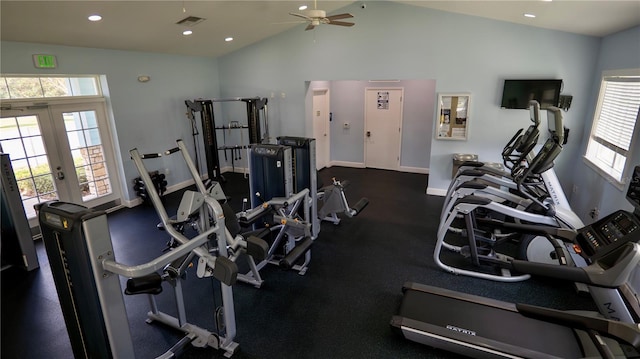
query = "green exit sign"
x=45 y=61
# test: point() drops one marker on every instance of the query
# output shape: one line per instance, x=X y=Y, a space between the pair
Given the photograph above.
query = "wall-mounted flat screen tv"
x=518 y=93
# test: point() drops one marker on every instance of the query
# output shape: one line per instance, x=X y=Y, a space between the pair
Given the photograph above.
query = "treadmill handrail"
x=626 y=259
x=627 y=332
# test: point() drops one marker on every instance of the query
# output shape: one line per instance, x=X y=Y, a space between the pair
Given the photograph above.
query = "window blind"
x=618 y=113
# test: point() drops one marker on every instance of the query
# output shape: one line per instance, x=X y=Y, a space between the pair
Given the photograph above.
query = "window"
x=46 y=87
x=55 y=130
x=613 y=126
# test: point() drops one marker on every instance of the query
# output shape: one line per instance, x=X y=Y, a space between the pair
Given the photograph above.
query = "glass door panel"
x=21 y=137
x=84 y=138
x=88 y=154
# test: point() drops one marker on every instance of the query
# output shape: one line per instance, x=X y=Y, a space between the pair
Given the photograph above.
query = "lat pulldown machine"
x=255 y=105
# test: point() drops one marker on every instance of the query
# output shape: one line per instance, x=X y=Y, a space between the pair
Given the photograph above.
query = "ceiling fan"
x=317 y=17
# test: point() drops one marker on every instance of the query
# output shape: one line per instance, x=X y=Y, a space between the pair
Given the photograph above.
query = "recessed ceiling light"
x=95 y=17
x=530 y=15
x=187 y=32
x=302 y=7
x=227 y=39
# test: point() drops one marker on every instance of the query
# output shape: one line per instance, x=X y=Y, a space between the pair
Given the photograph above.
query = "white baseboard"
x=346 y=164
x=414 y=170
x=237 y=169
x=132 y=203
x=362 y=165
x=436 y=191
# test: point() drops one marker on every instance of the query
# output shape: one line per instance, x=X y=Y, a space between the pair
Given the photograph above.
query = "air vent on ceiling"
x=190 y=21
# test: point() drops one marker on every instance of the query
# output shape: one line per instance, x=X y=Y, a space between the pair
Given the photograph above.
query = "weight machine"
x=17 y=243
x=255 y=106
x=80 y=251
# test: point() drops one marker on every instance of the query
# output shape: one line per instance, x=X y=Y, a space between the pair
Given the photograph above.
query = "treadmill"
x=480 y=327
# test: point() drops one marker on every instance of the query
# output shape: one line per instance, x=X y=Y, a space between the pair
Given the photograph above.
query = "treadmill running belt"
x=464 y=316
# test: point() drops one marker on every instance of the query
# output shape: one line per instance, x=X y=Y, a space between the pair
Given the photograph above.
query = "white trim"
x=16 y=104
x=231 y=169
x=132 y=203
x=323 y=91
x=414 y=169
x=346 y=164
x=436 y=191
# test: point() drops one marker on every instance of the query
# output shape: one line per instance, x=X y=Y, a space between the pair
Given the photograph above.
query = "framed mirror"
x=453 y=116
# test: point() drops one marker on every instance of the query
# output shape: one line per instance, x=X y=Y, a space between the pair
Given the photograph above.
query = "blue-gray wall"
x=390 y=41
x=347 y=105
x=618 y=51
x=396 y=41
x=149 y=116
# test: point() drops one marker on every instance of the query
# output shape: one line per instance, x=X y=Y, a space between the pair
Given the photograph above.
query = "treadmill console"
x=615 y=229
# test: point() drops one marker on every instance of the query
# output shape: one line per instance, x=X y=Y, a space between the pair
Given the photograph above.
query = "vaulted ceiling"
x=150 y=26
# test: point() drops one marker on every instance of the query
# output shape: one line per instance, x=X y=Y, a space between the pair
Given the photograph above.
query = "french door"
x=60 y=151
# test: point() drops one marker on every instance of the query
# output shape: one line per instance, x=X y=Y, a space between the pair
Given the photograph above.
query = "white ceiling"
x=150 y=26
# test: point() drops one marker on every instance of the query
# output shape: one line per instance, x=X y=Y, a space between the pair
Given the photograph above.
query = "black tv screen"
x=518 y=93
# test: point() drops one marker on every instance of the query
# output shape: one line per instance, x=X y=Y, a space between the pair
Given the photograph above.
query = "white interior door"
x=383 y=126
x=321 y=127
x=60 y=152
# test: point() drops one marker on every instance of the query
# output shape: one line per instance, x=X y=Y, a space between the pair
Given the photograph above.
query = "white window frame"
x=601 y=167
x=96 y=78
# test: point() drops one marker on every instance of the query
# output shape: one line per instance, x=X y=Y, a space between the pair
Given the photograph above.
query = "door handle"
x=60 y=174
x=368 y=133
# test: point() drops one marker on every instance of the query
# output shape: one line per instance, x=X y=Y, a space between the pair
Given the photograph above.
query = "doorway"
x=60 y=151
x=383 y=127
x=321 y=127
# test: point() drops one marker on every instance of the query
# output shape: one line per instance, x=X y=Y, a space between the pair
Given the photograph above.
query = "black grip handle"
x=173 y=150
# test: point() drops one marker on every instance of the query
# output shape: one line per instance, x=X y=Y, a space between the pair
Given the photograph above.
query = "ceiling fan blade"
x=340 y=23
x=339 y=16
x=289 y=22
x=310 y=27
x=300 y=15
